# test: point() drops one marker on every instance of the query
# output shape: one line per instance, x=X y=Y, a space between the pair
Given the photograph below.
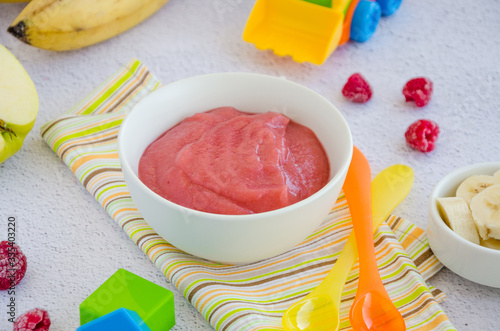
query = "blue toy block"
x=119 y=320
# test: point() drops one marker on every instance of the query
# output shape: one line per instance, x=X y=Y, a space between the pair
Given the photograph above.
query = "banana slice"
x=457 y=215
x=485 y=209
x=491 y=243
x=497 y=176
x=473 y=186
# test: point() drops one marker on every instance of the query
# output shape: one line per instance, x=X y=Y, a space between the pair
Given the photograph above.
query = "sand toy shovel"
x=307 y=31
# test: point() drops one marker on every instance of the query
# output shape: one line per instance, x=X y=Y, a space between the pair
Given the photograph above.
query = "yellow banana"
x=61 y=25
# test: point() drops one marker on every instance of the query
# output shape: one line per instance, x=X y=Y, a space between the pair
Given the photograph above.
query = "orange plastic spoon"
x=372 y=309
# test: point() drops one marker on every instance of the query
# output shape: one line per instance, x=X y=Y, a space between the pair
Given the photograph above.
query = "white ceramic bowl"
x=476 y=263
x=234 y=239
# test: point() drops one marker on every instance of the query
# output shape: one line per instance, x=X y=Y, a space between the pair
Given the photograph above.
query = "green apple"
x=18 y=104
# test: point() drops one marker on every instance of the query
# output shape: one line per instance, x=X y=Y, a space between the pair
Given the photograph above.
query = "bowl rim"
x=440 y=223
x=228 y=217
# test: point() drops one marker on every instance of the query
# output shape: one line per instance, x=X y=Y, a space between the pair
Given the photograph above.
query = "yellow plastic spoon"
x=319 y=310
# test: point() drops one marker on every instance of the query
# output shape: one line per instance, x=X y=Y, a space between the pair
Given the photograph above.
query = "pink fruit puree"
x=228 y=162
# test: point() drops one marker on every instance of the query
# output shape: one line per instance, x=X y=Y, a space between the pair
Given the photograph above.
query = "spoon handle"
x=372 y=308
x=336 y=278
x=388 y=189
x=358 y=184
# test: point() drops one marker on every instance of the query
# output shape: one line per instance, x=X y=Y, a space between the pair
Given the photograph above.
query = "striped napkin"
x=248 y=297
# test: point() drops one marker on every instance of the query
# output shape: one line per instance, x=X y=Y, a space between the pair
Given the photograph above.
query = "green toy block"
x=153 y=303
x=324 y=3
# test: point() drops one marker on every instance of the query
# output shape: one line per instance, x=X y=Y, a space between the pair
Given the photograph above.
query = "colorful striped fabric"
x=249 y=297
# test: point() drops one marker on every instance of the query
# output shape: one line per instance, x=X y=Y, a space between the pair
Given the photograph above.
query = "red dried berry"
x=418 y=90
x=12 y=265
x=422 y=135
x=34 y=320
x=357 y=89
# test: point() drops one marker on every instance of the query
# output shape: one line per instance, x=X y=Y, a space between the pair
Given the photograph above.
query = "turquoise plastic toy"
x=389 y=7
x=120 y=320
x=365 y=20
x=154 y=304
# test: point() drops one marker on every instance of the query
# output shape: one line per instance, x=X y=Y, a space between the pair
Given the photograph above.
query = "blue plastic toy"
x=365 y=20
x=120 y=320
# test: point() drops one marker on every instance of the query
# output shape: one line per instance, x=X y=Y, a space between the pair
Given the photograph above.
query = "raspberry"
x=422 y=135
x=357 y=89
x=418 y=89
x=34 y=320
x=12 y=265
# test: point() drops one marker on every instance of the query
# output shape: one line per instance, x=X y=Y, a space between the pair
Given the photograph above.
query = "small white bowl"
x=234 y=239
x=476 y=263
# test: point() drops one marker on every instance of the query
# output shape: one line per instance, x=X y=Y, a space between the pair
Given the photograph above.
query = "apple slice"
x=18 y=104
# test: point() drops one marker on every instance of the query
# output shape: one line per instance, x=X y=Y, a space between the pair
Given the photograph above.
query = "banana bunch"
x=61 y=25
x=474 y=213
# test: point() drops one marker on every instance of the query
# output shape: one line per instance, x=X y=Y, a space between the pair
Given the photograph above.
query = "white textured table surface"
x=73 y=246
